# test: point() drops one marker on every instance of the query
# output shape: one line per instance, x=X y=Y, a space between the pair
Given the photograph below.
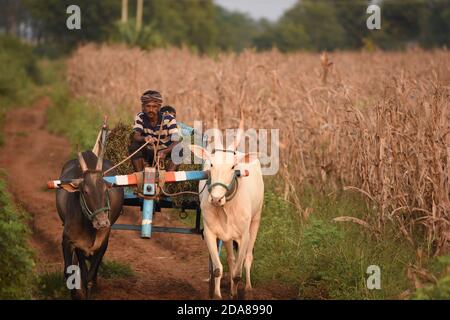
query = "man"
x=149 y=126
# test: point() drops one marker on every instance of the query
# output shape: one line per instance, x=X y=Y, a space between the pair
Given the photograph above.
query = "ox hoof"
x=91 y=289
x=76 y=295
x=248 y=294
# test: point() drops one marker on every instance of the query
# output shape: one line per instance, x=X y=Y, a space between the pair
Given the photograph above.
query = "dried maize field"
x=374 y=123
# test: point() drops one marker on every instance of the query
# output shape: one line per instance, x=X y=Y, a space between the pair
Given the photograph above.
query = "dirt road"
x=168 y=266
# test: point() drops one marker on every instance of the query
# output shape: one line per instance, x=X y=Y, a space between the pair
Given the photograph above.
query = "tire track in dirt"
x=168 y=266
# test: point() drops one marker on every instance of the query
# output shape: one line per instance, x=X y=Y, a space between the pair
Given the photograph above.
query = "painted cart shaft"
x=148 y=199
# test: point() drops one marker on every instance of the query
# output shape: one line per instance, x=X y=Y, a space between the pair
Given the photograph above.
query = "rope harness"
x=232 y=187
x=127 y=158
x=88 y=213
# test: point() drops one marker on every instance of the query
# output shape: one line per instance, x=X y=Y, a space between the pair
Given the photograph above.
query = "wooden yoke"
x=138 y=178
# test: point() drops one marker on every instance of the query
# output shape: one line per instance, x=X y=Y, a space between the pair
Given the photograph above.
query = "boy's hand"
x=162 y=154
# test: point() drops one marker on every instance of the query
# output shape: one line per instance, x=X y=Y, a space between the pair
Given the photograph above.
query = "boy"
x=168 y=110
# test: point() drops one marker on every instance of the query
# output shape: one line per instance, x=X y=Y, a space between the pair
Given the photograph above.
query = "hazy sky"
x=270 y=9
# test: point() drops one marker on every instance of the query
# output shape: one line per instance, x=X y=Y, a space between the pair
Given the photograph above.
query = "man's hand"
x=149 y=139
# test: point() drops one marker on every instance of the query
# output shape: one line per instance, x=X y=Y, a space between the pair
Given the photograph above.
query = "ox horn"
x=217 y=134
x=102 y=146
x=100 y=159
x=240 y=132
x=83 y=165
x=215 y=123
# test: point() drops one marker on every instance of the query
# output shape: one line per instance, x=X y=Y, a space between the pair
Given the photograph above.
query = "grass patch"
x=326 y=259
x=73 y=118
x=115 y=270
x=440 y=289
x=51 y=286
x=24 y=78
x=19 y=78
x=278 y=242
x=51 y=72
x=16 y=259
x=19 y=73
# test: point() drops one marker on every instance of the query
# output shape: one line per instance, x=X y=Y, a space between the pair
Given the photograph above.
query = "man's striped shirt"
x=169 y=130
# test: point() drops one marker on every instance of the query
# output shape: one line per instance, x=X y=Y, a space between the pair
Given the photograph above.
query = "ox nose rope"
x=231 y=188
x=127 y=158
x=88 y=213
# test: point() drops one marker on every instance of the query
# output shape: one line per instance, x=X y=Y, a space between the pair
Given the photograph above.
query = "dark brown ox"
x=88 y=208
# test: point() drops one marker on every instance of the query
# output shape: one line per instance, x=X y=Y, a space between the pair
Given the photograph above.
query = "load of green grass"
x=177 y=187
x=119 y=138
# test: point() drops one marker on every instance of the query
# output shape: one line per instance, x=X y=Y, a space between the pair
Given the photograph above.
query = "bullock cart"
x=145 y=190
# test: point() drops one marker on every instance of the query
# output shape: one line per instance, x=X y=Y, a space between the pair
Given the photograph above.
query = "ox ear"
x=73 y=186
x=199 y=152
x=247 y=157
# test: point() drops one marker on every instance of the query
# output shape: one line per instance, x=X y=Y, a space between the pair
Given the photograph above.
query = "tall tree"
x=10 y=15
x=235 y=30
x=435 y=28
x=124 y=18
x=188 y=22
x=351 y=15
x=139 y=12
x=309 y=25
x=200 y=18
x=402 y=23
x=97 y=19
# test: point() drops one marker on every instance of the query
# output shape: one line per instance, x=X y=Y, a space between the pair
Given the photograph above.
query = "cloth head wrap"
x=151 y=96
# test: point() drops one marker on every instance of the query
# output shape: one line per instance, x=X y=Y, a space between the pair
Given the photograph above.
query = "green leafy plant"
x=440 y=290
x=16 y=259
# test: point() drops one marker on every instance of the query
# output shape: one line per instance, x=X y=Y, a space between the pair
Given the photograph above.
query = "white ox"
x=227 y=219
